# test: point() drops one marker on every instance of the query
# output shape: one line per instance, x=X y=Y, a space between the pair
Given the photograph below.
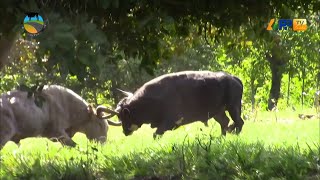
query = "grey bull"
x=61 y=115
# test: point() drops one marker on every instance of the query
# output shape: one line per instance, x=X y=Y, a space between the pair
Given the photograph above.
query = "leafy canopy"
x=85 y=34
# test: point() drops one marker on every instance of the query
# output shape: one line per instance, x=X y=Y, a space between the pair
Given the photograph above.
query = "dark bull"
x=176 y=99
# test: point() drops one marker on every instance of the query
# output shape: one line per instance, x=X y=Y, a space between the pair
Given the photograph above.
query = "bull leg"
x=7 y=131
x=157 y=136
x=68 y=141
x=232 y=127
x=164 y=126
x=159 y=132
x=235 y=113
x=4 y=139
x=223 y=120
x=63 y=137
x=16 y=138
x=206 y=123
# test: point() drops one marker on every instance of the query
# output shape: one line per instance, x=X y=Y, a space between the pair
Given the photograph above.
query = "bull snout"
x=127 y=133
x=129 y=130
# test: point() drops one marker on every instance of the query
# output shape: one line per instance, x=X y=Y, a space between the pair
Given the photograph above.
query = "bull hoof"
x=156 y=136
x=71 y=144
x=67 y=142
x=238 y=130
x=229 y=130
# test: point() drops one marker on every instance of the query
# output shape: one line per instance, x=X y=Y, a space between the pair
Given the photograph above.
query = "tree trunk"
x=303 y=86
x=5 y=47
x=113 y=91
x=318 y=78
x=95 y=94
x=276 y=65
x=275 y=86
x=288 y=90
x=253 y=92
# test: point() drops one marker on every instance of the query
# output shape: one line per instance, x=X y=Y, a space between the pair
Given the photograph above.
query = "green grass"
x=271 y=146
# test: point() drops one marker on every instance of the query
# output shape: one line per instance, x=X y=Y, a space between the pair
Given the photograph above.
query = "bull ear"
x=90 y=109
x=126 y=112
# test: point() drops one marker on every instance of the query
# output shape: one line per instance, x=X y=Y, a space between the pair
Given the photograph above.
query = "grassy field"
x=271 y=146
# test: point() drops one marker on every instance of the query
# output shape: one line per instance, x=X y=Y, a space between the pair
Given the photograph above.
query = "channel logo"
x=33 y=23
x=285 y=24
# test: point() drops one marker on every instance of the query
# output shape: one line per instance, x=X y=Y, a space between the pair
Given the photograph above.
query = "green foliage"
x=112 y=44
x=76 y=36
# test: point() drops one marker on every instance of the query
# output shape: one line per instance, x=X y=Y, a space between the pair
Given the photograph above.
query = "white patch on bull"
x=133 y=127
x=13 y=100
x=179 y=121
x=219 y=74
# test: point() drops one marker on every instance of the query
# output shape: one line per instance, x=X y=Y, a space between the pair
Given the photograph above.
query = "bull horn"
x=101 y=109
x=113 y=123
x=108 y=116
x=128 y=94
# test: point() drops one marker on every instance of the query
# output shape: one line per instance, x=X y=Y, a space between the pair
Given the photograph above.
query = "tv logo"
x=284 y=24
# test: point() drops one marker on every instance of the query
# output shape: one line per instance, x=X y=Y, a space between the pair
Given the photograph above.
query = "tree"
x=136 y=27
x=86 y=38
